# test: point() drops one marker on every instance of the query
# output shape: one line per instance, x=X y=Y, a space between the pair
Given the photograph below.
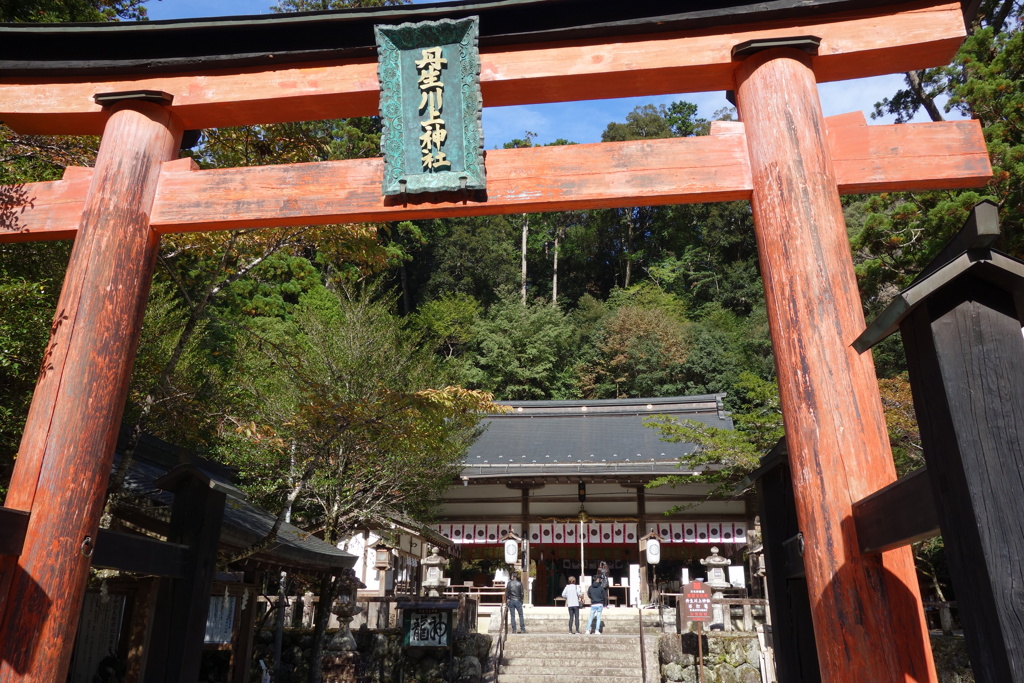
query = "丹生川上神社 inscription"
x=432 y=87
x=430 y=106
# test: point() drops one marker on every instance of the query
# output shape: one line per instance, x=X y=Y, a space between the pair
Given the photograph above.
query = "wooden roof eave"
x=232 y=42
x=48 y=81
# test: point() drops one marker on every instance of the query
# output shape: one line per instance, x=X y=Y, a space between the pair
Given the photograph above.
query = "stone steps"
x=539 y=656
x=565 y=678
x=555 y=620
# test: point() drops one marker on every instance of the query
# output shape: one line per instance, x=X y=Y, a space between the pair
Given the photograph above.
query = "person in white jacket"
x=572 y=596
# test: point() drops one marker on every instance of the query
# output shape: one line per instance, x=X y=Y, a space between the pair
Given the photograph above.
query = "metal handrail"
x=499 y=648
x=643 y=650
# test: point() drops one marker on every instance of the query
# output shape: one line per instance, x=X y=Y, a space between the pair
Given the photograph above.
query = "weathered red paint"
x=877 y=40
x=868 y=620
x=68 y=445
x=618 y=174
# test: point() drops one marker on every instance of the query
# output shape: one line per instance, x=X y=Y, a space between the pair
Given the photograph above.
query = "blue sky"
x=574 y=121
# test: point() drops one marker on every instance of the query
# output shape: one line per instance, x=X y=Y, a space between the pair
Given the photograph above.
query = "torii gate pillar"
x=68 y=445
x=868 y=621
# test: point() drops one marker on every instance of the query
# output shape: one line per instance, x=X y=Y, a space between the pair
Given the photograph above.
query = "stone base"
x=340 y=667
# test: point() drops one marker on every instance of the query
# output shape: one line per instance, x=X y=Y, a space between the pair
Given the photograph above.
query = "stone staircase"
x=547 y=653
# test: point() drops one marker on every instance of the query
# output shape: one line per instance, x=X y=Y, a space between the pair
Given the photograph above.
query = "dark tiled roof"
x=244 y=524
x=553 y=436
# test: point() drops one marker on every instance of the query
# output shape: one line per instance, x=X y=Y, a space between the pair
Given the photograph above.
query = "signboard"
x=430 y=106
x=98 y=634
x=697 y=602
x=426 y=627
x=220 y=619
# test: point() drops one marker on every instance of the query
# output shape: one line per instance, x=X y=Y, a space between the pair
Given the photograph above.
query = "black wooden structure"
x=792 y=629
x=191 y=502
x=961 y=328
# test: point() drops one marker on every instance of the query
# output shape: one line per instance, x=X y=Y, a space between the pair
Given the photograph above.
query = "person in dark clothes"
x=514 y=597
x=598 y=594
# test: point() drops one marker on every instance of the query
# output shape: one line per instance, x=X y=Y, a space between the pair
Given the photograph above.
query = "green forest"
x=342 y=368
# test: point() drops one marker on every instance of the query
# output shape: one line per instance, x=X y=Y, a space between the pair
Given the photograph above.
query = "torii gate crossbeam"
x=792 y=164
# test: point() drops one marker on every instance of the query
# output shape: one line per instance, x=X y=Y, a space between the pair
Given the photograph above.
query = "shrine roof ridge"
x=557 y=435
x=230 y=42
x=616 y=406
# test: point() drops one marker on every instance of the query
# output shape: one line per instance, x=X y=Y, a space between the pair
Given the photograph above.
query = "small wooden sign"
x=430 y=106
x=697 y=602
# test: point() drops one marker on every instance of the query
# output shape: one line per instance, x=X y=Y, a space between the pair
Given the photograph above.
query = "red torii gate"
x=789 y=161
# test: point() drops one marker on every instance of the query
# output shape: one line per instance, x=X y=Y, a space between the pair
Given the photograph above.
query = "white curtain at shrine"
x=598 y=532
x=477 y=533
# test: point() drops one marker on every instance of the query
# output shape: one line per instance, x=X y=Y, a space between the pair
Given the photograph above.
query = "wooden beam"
x=572 y=498
x=869 y=42
x=139 y=554
x=44 y=211
x=899 y=514
x=13 y=524
x=602 y=175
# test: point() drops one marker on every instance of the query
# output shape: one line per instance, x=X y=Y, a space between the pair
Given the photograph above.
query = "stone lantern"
x=434 y=582
x=345 y=608
x=717 y=582
x=339 y=661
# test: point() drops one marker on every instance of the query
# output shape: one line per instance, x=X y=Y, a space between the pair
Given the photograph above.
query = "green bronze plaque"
x=430 y=106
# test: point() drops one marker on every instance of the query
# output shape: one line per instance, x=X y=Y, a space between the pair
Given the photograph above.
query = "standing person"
x=572 y=596
x=514 y=597
x=598 y=595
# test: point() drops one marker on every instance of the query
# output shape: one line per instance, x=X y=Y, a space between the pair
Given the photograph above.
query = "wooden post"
x=140 y=627
x=866 y=610
x=965 y=352
x=792 y=632
x=68 y=444
x=524 y=572
x=241 y=655
x=644 y=588
x=183 y=604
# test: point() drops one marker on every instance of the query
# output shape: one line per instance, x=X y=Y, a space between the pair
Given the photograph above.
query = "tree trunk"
x=629 y=252
x=406 y=297
x=554 y=276
x=914 y=79
x=526 y=231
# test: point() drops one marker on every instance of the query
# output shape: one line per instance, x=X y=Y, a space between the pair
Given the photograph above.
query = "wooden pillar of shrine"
x=644 y=596
x=68 y=445
x=866 y=610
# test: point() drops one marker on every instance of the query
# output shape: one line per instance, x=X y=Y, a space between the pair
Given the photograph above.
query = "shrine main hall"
x=571 y=478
